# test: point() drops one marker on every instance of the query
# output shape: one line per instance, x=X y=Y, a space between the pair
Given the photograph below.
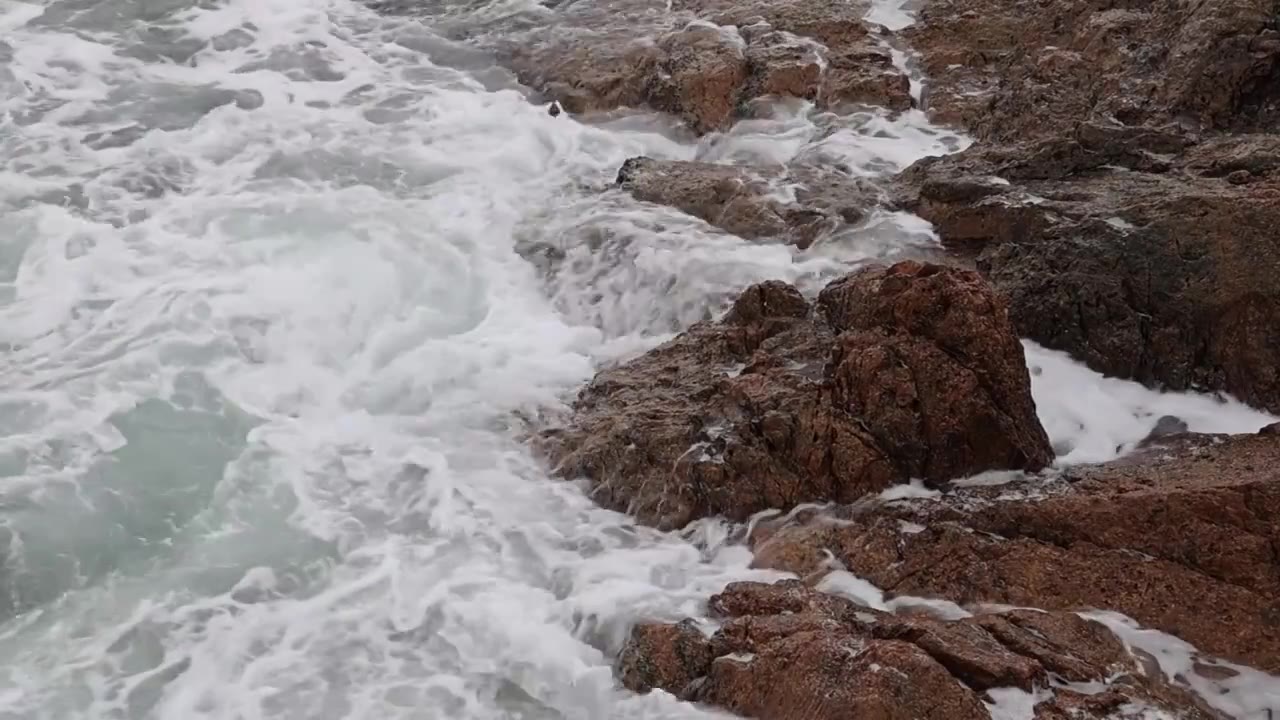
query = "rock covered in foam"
x=894 y=373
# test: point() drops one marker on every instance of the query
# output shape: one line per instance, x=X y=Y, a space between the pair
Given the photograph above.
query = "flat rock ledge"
x=984 y=592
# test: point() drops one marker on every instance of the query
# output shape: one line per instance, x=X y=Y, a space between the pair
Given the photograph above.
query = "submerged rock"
x=894 y=373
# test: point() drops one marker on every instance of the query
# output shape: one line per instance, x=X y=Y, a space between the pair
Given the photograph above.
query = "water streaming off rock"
x=271 y=305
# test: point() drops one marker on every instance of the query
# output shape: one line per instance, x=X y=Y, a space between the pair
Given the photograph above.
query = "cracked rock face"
x=788 y=652
x=1182 y=537
x=894 y=373
x=1015 y=70
x=705 y=62
x=1146 y=254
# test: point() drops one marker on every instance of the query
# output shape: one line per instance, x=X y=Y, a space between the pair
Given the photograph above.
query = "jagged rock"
x=705 y=61
x=1065 y=644
x=1128 y=249
x=787 y=651
x=910 y=371
x=699 y=77
x=1181 y=536
x=664 y=655
x=745 y=201
x=829 y=676
x=785 y=598
x=864 y=76
x=966 y=650
x=1020 y=69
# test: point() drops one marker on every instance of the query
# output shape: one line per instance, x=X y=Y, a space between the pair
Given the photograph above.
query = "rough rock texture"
x=786 y=651
x=1144 y=253
x=909 y=371
x=1015 y=69
x=748 y=202
x=706 y=61
x=661 y=655
x=1116 y=195
x=816 y=676
x=1182 y=537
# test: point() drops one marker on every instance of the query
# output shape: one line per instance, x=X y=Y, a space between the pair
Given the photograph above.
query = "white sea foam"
x=1235 y=690
x=270 y=313
x=1091 y=418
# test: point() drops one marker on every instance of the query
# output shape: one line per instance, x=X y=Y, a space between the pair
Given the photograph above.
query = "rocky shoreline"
x=1119 y=203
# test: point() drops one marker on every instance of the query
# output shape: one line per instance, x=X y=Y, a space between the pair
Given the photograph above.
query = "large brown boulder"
x=788 y=652
x=1181 y=537
x=1141 y=252
x=748 y=201
x=1015 y=69
x=895 y=373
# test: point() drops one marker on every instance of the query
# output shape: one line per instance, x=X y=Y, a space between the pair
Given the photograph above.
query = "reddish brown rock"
x=667 y=656
x=745 y=201
x=903 y=372
x=1065 y=644
x=895 y=366
x=864 y=76
x=1182 y=538
x=967 y=650
x=782 y=64
x=822 y=676
x=1127 y=248
x=1104 y=197
x=1014 y=70
x=788 y=597
x=789 y=651
x=699 y=77
x=706 y=61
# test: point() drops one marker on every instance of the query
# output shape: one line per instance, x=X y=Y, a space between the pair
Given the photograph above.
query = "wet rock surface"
x=1181 y=536
x=798 y=205
x=1122 y=193
x=1120 y=204
x=1131 y=249
x=894 y=373
x=706 y=61
x=1012 y=70
x=788 y=651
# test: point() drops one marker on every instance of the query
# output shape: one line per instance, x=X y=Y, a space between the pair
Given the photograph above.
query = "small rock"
x=666 y=656
x=1167 y=425
x=1239 y=177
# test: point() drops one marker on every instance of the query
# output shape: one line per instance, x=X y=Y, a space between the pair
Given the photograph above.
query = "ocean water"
x=281 y=282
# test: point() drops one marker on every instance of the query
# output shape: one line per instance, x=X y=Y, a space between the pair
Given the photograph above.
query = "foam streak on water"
x=271 y=307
